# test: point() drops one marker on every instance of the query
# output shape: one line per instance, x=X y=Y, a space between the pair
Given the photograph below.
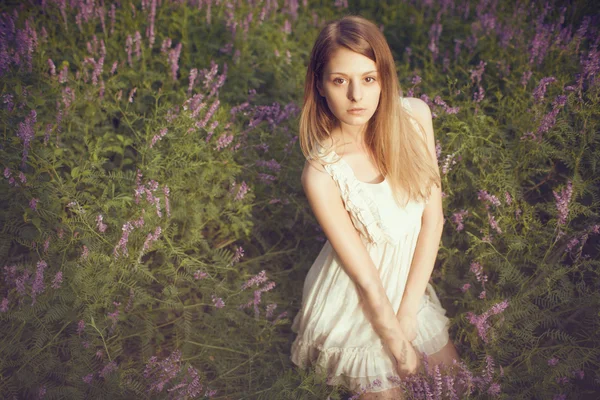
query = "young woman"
x=372 y=181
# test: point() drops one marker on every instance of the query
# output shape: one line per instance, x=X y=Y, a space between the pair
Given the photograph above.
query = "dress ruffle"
x=353 y=367
x=432 y=334
x=358 y=367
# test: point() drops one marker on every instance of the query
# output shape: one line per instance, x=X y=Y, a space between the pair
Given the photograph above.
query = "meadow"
x=154 y=234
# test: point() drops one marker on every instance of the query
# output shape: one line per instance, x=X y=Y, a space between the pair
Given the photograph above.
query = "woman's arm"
x=326 y=203
x=432 y=223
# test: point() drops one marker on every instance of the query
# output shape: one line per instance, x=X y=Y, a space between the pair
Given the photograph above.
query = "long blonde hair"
x=399 y=151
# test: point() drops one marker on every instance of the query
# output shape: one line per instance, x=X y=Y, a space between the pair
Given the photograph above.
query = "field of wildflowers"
x=155 y=236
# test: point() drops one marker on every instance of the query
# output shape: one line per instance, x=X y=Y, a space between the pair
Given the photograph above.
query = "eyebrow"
x=341 y=73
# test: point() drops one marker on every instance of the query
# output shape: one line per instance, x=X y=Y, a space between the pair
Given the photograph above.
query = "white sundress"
x=333 y=332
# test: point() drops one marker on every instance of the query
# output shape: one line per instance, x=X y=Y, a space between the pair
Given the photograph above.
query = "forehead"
x=348 y=62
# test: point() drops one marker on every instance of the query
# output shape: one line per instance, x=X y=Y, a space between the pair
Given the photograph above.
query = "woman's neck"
x=350 y=135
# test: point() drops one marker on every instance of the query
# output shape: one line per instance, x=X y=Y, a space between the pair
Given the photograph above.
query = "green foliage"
x=93 y=152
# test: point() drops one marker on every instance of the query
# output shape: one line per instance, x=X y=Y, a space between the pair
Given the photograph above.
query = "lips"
x=356 y=109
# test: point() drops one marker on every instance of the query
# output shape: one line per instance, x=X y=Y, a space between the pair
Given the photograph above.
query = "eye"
x=370 y=77
x=336 y=79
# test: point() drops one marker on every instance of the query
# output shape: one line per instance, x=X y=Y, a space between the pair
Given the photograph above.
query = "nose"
x=354 y=92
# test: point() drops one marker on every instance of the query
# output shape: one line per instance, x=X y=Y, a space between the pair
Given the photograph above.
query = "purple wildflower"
x=80 y=327
x=242 y=190
x=224 y=141
x=266 y=178
x=487 y=198
x=64 y=73
x=448 y=162
x=579 y=374
x=256 y=280
x=190 y=386
x=457 y=218
x=239 y=253
x=88 y=378
x=525 y=78
x=270 y=308
x=57 y=280
x=540 y=90
x=99 y=224
x=108 y=369
x=553 y=361
x=217 y=301
x=52 y=67
x=159 y=373
x=158 y=137
x=38 y=284
x=481 y=321
x=4 y=305
x=280 y=316
x=122 y=245
x=26 y=133
x=200 y=275
x=68 y=96
x=272 y=164
x=98 y=66
x=549 y=119
x=129 y=49
x=257 y=297
x=150 y=29
x=494 y=389
x=211 y=111
x=465 y=287
x=151 y=238
x=131 y=94
x=477 y=73
x=479 y=95
x=572 y=243
x=137 y=41
x=192 y=78
x=167 y=204
x=287 y=27
x=493 y=223
x=174 y=60
x=435 y=32
x=562 y=202
x=540 y=43
x=562 y=380
x=20 y=282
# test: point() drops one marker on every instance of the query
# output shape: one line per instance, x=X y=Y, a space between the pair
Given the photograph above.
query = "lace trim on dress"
x=358 y=202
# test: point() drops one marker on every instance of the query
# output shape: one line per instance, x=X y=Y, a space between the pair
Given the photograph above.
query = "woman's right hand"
x=407 y=360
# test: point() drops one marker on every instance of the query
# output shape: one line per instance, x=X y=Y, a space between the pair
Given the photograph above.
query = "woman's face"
x=350 y=80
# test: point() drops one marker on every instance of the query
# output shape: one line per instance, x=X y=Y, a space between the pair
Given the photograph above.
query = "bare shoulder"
x=420 y=110
x=314 y=174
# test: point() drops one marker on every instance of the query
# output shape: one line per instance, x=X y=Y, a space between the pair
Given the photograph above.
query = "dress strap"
x=406 y=103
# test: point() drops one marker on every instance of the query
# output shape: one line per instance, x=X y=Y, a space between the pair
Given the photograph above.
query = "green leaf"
x=37 y=222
